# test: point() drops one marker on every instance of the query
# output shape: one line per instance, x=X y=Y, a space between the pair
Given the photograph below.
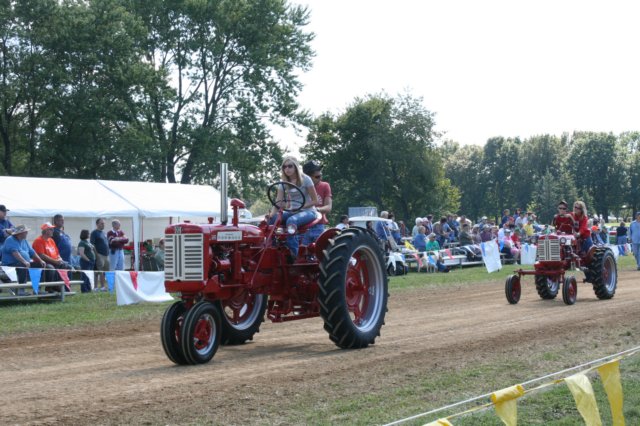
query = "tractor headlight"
x=291 y=229
x=563 y=240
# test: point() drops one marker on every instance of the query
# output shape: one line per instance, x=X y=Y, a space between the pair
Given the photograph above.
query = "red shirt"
x=580 y=226
x=563 y=223
x=323 y=189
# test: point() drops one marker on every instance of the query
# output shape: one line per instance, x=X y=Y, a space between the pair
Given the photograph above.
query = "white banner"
x=491 y=256
x=528 y=254
x=135 y=287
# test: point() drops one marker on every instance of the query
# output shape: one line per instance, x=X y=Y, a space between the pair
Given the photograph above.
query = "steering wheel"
x=293 y=198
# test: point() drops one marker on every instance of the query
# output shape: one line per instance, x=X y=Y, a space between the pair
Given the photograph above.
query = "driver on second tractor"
x=289 y=197
x=563 y=221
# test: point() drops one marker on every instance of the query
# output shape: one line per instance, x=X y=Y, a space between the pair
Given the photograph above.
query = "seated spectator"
x=442 y=231
x=159 y=255
x=344 y=222
x=87 y=254
x=595 y=235
x=420 y=240
x=17 y=253
x=432 y=245
x=475 y=234
x=48 y=251
x=506 y=244
x=464 y=237
x=486 y=234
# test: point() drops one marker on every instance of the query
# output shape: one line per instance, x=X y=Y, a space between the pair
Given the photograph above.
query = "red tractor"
x=556 y=254
x=228 y=276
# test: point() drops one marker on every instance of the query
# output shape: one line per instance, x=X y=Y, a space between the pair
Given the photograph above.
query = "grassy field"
x=553 y=406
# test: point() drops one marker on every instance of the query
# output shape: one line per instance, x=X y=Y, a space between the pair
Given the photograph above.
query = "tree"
x=381 y=152
x=463 y=167
x=233 y=66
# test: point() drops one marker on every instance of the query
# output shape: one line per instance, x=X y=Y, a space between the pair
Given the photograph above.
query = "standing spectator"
x=117 y=239
x=395 y=229
x=621 y=234
x=87 y=254
x=159 y=255
x=325 y=200
x=506 y=217
x=382 y=227
x=99 y=241
x=416 y=228
x=62 y=240
x=17 y=252
x=404 y=232
x=344 y=222
x=5 y=226
x=634 y=235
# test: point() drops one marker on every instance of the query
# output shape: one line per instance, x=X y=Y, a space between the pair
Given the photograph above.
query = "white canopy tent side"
x=44 y=197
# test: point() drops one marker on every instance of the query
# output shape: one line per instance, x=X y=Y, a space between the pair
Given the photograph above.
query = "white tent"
x=74 y=198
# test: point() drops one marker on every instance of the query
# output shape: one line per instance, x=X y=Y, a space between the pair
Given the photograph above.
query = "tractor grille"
x=183 y=257
x=548 y=250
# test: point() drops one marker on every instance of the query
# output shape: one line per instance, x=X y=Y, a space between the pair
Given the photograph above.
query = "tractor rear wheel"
x=570 y=290
x=604 y=273
x=200 y=335
x=241 y=316
x=353 y=289
x=170 y=329
x=512 y=289
x=547 y=286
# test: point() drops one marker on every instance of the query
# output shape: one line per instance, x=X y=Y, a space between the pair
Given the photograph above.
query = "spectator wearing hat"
x=48 y=251
x=323 y=191
x=5 y=226
x=634 y=236
x=432 y=245
x=17 y=253
x=62 y=240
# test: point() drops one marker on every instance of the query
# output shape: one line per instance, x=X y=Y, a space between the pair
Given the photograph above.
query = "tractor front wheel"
x=570 y=290
x=604 y=273
x=170 y=330
x=242 y=316
x=512 y=289
x=547 y=286
x=353 y=289
x=200 y=336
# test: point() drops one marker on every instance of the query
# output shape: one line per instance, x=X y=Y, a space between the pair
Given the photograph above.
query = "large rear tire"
x=242 y=316
x=353 y=289
x=170 y=329
x=512 y=289
x=547 y=287
x=604 y=273
x=570 y=290
x=200 y=335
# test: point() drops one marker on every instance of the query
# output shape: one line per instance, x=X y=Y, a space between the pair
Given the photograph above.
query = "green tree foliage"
x=381 y=152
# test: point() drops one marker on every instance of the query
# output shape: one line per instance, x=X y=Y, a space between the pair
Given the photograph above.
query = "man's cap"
x=47 y=225
x=20 y=229
x=484 y=218
x=637 y=214
x=311 y=167
x=432 y=235
x=594 y=228
x=3 y=208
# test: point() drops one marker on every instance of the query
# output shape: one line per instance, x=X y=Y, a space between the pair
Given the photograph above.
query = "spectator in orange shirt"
x=46 y=248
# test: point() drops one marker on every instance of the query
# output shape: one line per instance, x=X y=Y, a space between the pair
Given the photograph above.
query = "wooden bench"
x=8 y=293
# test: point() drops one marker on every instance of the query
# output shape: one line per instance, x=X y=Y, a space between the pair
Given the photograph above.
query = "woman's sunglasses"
x=287 y=166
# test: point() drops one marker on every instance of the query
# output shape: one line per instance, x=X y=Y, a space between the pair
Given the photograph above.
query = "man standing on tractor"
x=634 y=234
x=580 y=227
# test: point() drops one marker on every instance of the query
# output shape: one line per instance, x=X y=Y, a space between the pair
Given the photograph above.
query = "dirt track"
x=120 y=375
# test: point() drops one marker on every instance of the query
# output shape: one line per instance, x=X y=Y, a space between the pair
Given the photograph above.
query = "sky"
x=485 y=68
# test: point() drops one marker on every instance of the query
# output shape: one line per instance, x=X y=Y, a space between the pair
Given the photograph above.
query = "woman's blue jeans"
x=299 y=218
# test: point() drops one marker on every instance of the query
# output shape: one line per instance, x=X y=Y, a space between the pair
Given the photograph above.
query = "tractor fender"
x=323 y=240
